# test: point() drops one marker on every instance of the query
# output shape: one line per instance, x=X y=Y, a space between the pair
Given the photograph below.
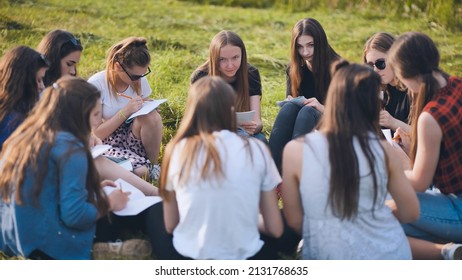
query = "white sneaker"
x=154 y=172
x=452 y=251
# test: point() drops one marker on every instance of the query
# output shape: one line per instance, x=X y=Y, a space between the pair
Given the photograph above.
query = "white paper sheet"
x=137 y=201
x=148 y=106
x=98 y=150
x=245 y=116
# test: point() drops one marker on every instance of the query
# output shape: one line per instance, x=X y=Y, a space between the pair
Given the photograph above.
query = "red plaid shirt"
x=446 y=108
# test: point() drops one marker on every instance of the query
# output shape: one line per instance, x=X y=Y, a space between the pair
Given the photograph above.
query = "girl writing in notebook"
x=50 y=191
x=215 y=183
x=436 y=149
x=63 y=51
x=124 y=87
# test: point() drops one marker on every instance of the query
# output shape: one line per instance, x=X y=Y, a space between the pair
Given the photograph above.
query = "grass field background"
x=179 y=33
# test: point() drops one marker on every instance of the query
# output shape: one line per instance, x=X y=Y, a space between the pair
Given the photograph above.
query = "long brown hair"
x=351 y=112
x=414 y=55
x=212 y=66
x=56 y=45
x=210 y=108
x=323 y=56
x=18 y=85
x=65 y=106
x=129 y=52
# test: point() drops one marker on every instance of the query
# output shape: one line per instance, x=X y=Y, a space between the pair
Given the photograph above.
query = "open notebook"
x=137 y=201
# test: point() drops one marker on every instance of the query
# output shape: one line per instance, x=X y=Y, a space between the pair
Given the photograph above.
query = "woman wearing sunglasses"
x=308 y=75
x=395 y=98
x=124 y=87
x=63 y=51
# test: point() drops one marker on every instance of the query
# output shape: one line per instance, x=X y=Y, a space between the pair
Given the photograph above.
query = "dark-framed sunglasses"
x=134 y=77
x=379 y=63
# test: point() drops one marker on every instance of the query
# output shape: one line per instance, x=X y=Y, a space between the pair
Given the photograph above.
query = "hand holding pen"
x=403 y=139
x=135 y=103
x=117 y=199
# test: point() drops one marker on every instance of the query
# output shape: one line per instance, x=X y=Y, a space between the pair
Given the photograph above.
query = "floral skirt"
x=126 y=146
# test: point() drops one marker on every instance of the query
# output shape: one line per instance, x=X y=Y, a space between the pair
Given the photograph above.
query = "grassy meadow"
x=179 y=33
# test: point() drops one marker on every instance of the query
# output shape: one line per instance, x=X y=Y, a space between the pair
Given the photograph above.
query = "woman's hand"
x=386 y=120
x=313 y=102
x=94 y=140
x=249 y=127
x=403 y=139
x=133 y=105
x=118 y=198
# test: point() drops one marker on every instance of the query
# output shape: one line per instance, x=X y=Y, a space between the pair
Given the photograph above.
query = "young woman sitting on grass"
x=336 y=179
x=63 y=51
x=395 y=100
x=307 y=76
x=228 y=59
x=21 y=80
x=51 y=195
x=124 y=87
x=436 y=147
x=215 y=183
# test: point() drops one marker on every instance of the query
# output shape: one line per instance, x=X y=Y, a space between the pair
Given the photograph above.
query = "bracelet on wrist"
x=122 y=115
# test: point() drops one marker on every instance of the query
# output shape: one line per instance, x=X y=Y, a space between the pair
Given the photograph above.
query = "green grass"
x=179 y=33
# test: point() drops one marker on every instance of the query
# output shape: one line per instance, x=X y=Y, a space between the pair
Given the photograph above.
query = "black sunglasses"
x=379 y=63
x=134 y=77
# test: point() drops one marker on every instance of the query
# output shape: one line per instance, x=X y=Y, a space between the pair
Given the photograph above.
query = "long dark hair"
x=323 y=56
x=18 y=85
x=56 y=45
x=351 y=112
x=414 y=54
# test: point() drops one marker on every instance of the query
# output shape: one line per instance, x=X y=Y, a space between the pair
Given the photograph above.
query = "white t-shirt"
x=219 y=217
x=111 y=104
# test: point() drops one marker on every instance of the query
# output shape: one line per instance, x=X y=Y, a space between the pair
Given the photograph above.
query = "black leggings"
x=274 y=248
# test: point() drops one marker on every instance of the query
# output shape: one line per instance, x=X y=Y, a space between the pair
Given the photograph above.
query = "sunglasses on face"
x=134 y=77
x=379 y=63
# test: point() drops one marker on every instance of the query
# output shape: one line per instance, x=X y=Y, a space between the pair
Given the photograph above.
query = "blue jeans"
x=259 y=135
x=440 y=218
x=291 y=122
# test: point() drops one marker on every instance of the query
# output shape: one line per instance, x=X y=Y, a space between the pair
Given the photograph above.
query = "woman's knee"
x=152 y=119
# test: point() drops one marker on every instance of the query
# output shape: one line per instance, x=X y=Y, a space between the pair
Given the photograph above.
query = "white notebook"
x=137 y=201
x=148 y=107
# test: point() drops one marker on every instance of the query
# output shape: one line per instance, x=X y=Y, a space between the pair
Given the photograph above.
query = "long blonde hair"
x=210 y=108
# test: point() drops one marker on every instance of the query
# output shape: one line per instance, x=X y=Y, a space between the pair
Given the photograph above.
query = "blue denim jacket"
x=63 y=223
